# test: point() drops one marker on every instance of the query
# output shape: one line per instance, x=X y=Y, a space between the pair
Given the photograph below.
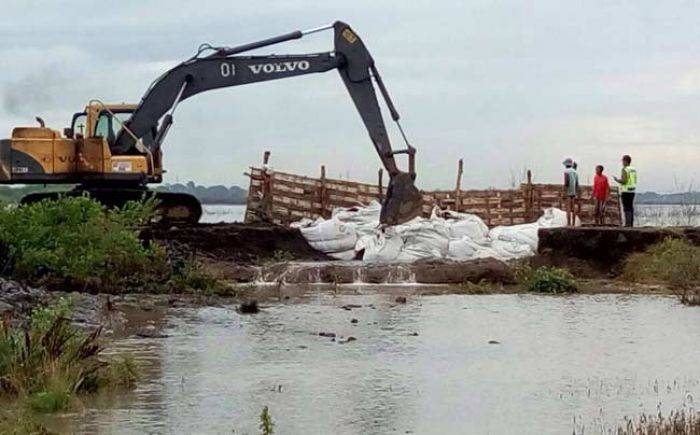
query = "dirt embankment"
x=243 y=244
x=595 y=251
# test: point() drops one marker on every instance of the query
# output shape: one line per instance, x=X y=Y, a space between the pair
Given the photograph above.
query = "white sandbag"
x=381 y=247
x=303 y=223
x=330 y=235
x=367 y=215
x=466 y=225
x=461 y=249
x=423 y=238
x=554 y=218
x=525 y=234
x=506 y=250
x=344 y=255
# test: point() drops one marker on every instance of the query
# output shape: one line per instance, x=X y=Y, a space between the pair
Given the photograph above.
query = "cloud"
x=505 y=85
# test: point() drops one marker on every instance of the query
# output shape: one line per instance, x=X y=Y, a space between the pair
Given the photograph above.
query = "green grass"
x=546 y=279
x=674 y=262
x=47 y=361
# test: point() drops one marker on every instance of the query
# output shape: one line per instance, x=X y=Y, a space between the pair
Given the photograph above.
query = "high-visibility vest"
x=631 y=183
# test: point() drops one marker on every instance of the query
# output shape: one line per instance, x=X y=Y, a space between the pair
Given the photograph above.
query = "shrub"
x=75 y=241
x=48 y=360
x=547 y=280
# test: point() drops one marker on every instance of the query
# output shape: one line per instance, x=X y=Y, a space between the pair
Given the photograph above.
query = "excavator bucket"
x=403 y=200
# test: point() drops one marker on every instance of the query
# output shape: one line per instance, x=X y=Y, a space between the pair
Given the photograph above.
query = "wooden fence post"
x=267 y=190
x=458 y=186
x=323 y=193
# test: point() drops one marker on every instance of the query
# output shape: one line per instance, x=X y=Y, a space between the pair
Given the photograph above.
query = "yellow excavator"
x=112 y=151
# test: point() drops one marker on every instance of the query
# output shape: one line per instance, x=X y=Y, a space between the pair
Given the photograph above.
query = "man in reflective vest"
x=628 y=187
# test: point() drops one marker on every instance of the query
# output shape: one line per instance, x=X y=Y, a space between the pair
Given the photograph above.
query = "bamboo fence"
x=283 y=198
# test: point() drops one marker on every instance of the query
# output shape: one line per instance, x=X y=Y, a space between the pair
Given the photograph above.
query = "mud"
x=356 y=272
x=236 y=243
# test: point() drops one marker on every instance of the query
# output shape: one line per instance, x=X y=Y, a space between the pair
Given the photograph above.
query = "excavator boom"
x=225 y=67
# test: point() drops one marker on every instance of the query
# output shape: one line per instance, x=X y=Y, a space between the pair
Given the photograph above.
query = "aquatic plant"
x=546 y=279
x=267 y=427
x=190 y=276
x=677 y=423
x=674 y=262
x=47 y=360
x=482 y=287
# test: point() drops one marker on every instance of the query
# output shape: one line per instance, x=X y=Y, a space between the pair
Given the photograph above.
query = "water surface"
x=489 y=364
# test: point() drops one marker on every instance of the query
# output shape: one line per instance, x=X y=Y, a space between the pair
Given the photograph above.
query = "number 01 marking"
x=228 y=70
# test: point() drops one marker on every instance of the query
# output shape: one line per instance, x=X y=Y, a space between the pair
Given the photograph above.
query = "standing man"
x=570 y=191
x=628 y=186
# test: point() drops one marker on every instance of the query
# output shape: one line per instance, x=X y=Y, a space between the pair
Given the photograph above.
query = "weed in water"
x=481 y=288
x=674 y=262
x=48 y=360
x=267 y=427
x=677 y=423
x=18 y=421
x=546 y=279
x=192 y=277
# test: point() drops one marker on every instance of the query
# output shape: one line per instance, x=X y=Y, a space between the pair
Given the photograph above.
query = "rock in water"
x=249 y=307
x=150 y=331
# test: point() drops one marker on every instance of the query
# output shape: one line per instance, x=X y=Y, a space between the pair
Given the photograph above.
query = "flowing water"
x=477 y=364
x=215 y=213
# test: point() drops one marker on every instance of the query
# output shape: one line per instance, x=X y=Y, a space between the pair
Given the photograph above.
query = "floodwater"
x=215 y=213
x=477 y=364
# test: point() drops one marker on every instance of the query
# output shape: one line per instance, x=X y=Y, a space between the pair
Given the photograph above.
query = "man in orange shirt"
x=601 y=191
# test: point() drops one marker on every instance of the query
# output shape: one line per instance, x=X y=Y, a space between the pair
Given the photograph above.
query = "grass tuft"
x=677 y=423
x=47 y=360
x=546 y=280
x=267 y=427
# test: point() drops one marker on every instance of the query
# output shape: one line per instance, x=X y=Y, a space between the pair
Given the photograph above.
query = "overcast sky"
x=506 y=85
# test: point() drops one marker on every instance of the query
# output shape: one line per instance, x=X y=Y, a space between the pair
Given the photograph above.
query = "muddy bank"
x=236 y=243
x=120 y=315
x=591 y=251
x=357 y=272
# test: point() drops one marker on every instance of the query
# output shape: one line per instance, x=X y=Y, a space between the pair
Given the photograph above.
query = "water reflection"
x=422 y=367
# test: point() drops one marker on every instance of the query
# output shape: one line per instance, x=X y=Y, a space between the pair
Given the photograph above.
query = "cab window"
x=103 y=126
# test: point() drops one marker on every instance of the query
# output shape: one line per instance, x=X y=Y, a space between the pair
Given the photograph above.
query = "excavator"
x=112 y=151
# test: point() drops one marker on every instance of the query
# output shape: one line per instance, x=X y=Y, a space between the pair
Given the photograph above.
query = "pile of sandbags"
x=355 y=232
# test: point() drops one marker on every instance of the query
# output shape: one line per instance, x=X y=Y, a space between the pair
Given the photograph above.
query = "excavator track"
x=172 y=208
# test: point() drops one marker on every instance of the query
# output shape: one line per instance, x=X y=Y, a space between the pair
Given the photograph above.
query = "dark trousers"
x=628 y=208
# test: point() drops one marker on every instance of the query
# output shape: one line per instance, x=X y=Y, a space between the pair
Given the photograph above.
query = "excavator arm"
x=224 y=67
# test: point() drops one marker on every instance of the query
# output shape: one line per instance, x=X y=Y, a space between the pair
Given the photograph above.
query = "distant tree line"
x=209 y=194
x=205 y=194
x=236 y=195
x=668 y=198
